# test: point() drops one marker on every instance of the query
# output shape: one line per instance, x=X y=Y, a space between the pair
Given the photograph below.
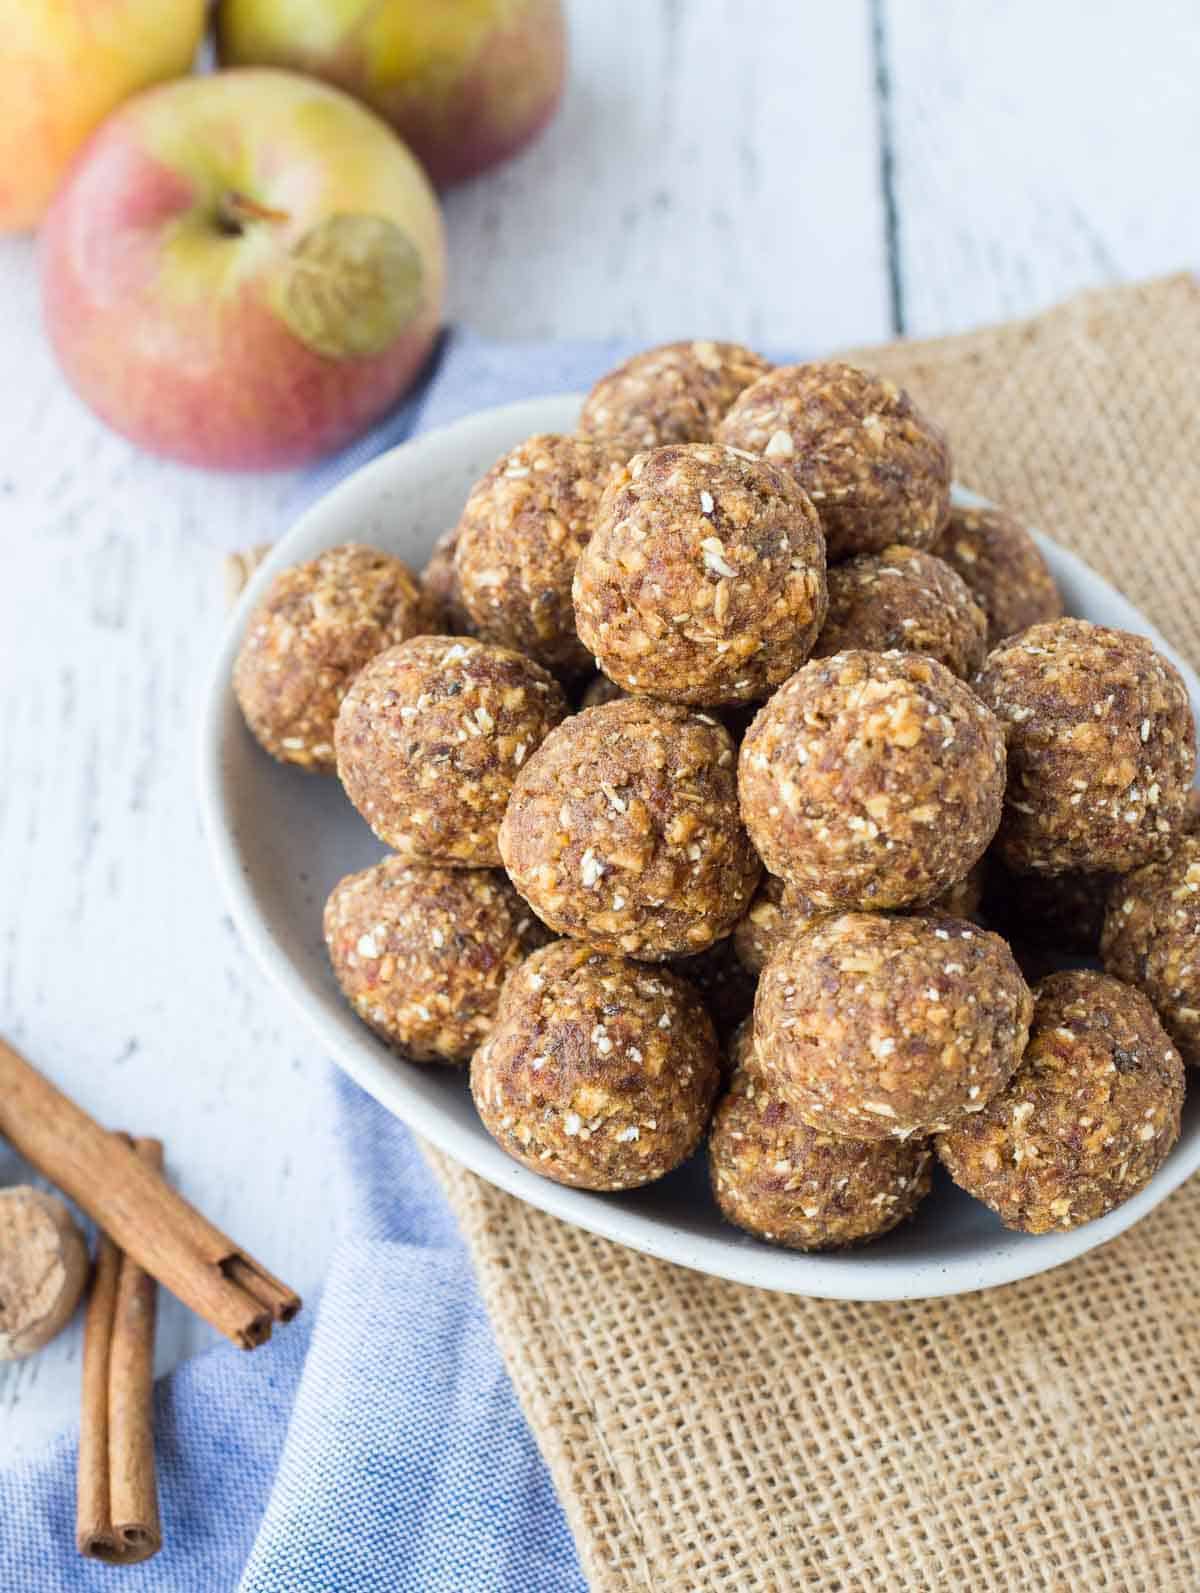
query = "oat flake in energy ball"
x=872 y=780
x=704 y=580
x=430 y=739
x=309 y=636
x=623 y=830
x=1101 y=748
x=421 y=953
x=673 y=394
x=876 y=469
x=883 y=1027
x=1088 y=1118
x=600 y=1072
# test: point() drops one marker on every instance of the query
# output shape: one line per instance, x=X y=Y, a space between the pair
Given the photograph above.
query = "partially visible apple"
x=244 y=269
x=465 y=82
x=64 y=64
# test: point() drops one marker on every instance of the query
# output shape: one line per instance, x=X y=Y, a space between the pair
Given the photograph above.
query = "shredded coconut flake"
x=591 y=869
x=714 y=557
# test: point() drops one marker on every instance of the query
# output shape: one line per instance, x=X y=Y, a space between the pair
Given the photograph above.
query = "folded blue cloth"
x=468 y=373
x=375 y=1443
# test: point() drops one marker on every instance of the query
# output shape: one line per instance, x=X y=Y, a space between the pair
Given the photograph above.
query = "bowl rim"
x=857 y=1275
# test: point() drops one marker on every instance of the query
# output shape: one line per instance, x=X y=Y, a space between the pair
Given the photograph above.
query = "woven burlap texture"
x=704 y=1435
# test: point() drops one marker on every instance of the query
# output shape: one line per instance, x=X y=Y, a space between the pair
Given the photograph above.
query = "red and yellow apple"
x=243 y=269
x=464 y=82
x=64 y=64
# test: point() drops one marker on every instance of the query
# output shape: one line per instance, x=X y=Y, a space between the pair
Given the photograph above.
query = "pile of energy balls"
x=744 y=883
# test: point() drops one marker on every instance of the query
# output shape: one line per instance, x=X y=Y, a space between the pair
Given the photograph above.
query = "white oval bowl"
x=280 y=840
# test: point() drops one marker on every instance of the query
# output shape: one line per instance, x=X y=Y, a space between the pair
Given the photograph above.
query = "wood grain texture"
x=119 y=970
x=704 y=176
x=1038 y=149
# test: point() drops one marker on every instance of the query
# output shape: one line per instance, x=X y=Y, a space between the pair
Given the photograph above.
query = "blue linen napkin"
x=376 y=1443
x=467 y=373
x=373 y=1444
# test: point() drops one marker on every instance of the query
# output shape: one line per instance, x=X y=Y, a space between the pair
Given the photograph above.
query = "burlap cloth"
x=704 y=1435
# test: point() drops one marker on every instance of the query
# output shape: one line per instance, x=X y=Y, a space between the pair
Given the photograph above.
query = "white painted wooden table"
x=783 y=173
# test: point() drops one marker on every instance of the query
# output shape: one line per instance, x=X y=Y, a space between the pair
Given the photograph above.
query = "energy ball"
x=623 y=830
x=439 y=581
x=673 y=394
x=318 y=624
x=904 y=599
x=883 y=1027
x=1151 y=939
x=1101 y=748
x=421 y=953
x=431 y=737
x=876 y=469
x=600 y=1072
x=704 y=580
x=793 y=1185
x=726 y=987
x=1087 y=1119
x=777 y=911
x=1000 y=562
x=520 y=535
x=872 y=780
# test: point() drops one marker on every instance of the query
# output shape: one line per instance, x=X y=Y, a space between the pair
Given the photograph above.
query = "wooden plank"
x=714 y=168
x=1038 y=149
x=119 y=970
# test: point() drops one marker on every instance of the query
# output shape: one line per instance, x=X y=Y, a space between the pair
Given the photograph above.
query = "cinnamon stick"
x=117 y=1516
x=135 y=1206
x=93 y=1520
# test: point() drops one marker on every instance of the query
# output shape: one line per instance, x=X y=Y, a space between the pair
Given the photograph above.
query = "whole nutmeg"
x=43 y=1269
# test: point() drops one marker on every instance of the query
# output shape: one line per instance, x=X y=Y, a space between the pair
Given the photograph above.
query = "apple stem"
x=236 y=210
